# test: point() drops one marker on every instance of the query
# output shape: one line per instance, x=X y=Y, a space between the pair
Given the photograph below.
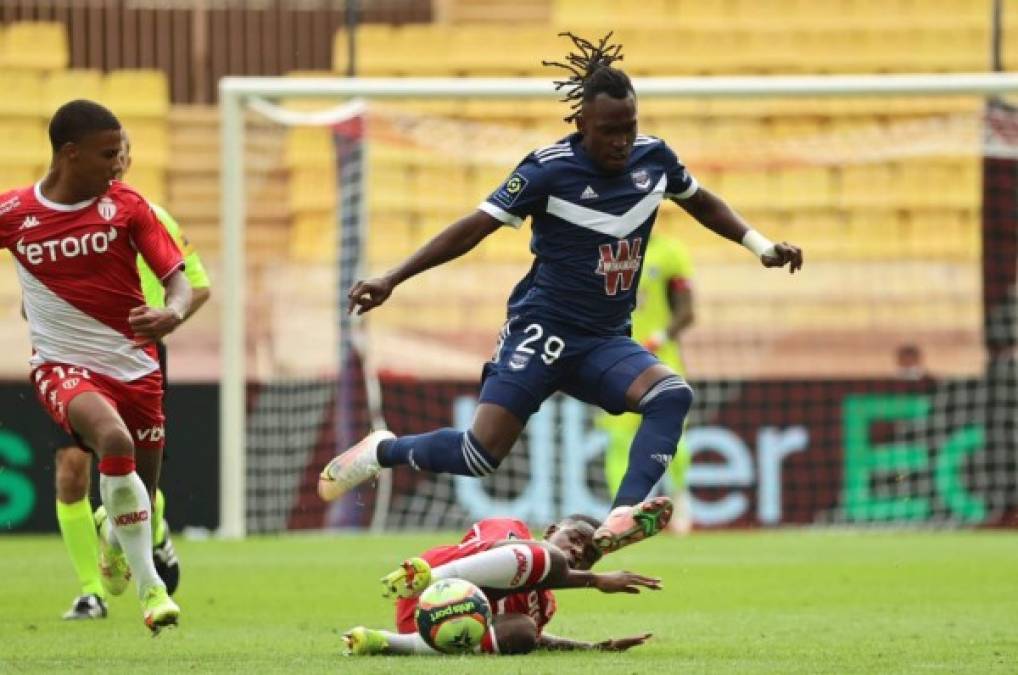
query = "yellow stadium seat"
x=62 y=86
x=17 y=176
x=389 y=241
x=24 y=144
x=308 y=147
x=137 y=93
x=150 y=142
x=149 y=181
x=313 y=237
x=865 y=185
x=22 y=94
x=312 y=190
x=31 y=45
x=811 y=187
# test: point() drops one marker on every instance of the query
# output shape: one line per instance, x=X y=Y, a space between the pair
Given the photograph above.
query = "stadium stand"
x=837 y=211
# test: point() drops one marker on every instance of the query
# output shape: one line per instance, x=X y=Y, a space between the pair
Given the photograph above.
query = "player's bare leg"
x=126 y=501
x=73 y=468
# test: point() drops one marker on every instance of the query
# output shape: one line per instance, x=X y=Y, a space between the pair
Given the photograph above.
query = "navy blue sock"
x=664 y=408
x=440 y=451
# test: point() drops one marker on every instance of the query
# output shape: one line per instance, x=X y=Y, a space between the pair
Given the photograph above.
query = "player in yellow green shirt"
x=664 y=309
x=74 y=465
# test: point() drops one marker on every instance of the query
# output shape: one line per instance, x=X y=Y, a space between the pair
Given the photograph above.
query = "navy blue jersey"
x=590 y=229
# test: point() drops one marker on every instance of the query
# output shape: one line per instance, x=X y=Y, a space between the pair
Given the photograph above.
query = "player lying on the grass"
x=517 y=574
x=592 y=197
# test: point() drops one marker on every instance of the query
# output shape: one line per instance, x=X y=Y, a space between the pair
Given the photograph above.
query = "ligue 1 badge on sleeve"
x=107 y=209
x=641 y=179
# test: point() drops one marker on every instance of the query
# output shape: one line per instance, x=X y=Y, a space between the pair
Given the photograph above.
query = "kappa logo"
x=107 y=209
x=588 y=193
x=152 y=434
x=641 y=179
x=619 y=267
x=29 y=222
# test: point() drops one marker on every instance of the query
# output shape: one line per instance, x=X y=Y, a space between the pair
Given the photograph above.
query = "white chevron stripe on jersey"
x=564 y=145
x=62 y=333
x=605 y=223
x=567 y=152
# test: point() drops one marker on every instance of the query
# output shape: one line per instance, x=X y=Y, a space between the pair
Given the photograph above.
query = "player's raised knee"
x=671 y=395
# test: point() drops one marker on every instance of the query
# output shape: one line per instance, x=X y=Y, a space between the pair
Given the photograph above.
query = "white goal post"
x=235 y=94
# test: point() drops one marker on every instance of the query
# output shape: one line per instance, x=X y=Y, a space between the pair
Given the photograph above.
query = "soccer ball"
x=452 y=616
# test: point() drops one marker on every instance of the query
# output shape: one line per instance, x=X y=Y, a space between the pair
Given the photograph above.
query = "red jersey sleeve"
x=151 y=239
x=8 y=202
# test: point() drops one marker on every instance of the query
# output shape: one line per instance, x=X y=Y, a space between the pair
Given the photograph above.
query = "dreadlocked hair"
x=591 y=73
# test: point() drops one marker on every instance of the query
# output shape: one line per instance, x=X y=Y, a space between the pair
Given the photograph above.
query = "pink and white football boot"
x=352 y=467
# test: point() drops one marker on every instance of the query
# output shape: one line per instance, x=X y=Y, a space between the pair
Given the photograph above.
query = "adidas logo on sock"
x=588 y=193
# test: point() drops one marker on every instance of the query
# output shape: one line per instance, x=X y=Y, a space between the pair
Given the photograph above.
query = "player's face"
x=125 y=155
x=576 y=541
x=608 y=126
x=96 y=160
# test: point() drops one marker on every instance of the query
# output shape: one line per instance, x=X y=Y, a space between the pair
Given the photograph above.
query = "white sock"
x=503 y=567
x=407 y=643
x=130 y=511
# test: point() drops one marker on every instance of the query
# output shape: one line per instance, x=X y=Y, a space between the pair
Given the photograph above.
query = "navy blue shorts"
x=536 y=356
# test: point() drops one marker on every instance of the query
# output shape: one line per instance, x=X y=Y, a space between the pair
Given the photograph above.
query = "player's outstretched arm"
x=553 y=642
x=716 y=215
x=449 y=244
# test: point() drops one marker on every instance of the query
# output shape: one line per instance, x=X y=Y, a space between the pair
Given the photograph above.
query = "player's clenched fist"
x=782 y=254
x=365 y=295
x=151 y=324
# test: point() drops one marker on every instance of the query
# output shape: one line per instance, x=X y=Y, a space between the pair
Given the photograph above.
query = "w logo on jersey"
x=619 y=266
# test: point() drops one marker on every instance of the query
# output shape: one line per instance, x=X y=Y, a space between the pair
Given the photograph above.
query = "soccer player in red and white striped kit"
x=75 y=237
x=517 y=573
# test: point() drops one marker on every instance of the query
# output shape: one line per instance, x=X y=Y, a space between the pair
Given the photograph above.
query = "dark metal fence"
x=198 y=41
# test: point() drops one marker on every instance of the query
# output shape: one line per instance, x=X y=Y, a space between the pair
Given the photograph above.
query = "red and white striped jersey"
x=77 y=264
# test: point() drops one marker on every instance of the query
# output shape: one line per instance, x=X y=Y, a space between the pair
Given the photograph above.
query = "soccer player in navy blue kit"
x=592 y=198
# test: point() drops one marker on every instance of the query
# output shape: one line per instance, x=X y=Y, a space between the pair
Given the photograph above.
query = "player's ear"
x=581 y=123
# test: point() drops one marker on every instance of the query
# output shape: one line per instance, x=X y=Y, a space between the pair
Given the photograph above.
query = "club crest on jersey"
x=511 y=189
x=619 y=265
x=641 y=179
x=107 y=209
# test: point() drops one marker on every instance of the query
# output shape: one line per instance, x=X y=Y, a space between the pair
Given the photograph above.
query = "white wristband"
x=757 y=243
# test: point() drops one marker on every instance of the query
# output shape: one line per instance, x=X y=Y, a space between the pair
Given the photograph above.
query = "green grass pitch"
x=792 y=601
